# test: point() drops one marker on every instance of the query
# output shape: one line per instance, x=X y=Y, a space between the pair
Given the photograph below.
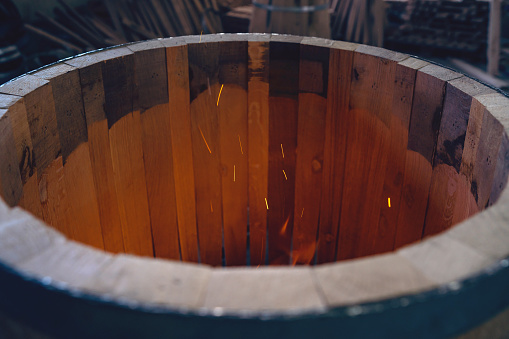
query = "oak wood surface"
x=429 y=92
x=92 y=89
x=127 y=155
x=151 y=99
x=204 y=90
x=367 y=154
x=283 y=113
x=336 y=136
x=233 y=125
x=313 y=81
x=258 y=147
x=181 y=137
x=11 y=186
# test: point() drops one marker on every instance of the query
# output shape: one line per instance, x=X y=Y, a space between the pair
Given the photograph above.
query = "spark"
x=206 y=143
x=286 y=178
x=302 y=213
x=201 y=35
x=282 y=151
x=240 y=143
x=211 y=209
x=266 y=203
x=219 y=96
x=233 y=173
x=389 y=202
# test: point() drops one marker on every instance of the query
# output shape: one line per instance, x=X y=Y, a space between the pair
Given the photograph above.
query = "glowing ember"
x=219 y=96
x=206 y=143
x=285 y=175
x=282 y=151
x=389 y=202
x=240 y=143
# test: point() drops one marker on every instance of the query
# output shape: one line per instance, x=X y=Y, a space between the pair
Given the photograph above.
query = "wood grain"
x=450 y=190
x=313 y=81
x=497 y=105
x=484 y=171
x=129 y=174
x=81 y=194
x=180 y=128
x=258 y=147
x=204 y=70
x=233 y=144
x=84 y=211
x=336 y=136
x=16 y=112
x=283 y=113
x=11 y=186
x=92 y=89
x=54 y=199
x=367 y=154
x=127 y=155
x=501 y=171
x=405 y=74
x=70 y=115
x=482 y=141
x=429 y=92
x=151 y=99
x=38 y=99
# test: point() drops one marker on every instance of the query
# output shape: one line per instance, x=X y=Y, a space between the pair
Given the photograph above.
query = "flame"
x=285 y=175
x=306 y=252
x=285 y=225
x=219 y=96
x=295 y=257
x=282 y=151
x=206 y=143
x=240 y=143
x=389 y=202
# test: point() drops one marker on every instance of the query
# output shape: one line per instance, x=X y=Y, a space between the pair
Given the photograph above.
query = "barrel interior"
x=278 y=150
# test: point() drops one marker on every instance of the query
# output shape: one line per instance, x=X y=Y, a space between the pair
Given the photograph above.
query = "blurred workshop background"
x=470 y=36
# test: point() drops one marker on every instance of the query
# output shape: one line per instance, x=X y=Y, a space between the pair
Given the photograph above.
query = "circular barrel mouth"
x=253 y=150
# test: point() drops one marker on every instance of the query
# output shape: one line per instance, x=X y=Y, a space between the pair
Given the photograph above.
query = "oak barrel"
x=252 y=185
